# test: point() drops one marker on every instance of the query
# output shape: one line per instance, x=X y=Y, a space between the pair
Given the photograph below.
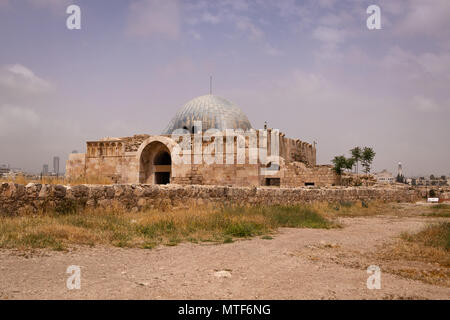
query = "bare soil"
x=295 y=264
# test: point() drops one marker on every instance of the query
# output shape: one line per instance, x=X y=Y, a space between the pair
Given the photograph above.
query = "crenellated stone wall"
x=238 y=163
x=18 y=199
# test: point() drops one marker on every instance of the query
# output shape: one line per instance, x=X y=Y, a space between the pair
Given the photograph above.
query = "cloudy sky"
x=310 y=68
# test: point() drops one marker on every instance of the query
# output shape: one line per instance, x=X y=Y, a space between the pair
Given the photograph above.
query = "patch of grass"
x=267 y=238
x=118 y=227
x=67 y=207
x=298 y=217
x=441 y=206
x=346 y=204
x=148 y=245
x=243 y=229
x=356 y=208
x=439 y=210
x=435 y=235
x=423 y=256
x=276 y=216
x=228 y=240
x=42 y=240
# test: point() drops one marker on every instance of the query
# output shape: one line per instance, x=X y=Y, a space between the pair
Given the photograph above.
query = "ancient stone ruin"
x=243 y=158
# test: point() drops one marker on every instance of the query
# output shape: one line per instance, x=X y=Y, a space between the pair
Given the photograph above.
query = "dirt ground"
x=295 y=264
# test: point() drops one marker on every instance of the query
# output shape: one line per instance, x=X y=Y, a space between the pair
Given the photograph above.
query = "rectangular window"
x=272 y=182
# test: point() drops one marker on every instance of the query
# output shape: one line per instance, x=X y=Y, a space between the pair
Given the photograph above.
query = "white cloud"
x=155 y=18
x=308 y=84
x=237 y=5
x=256 y=34
x=424 y=104
x=57 y=7
x=434 y=65
x=329 y=35
x=14 y=119
x=245 y=24
x=180 y=66
x=208 y=17
x=196 y=35
x=418 y=17
x=22 y=80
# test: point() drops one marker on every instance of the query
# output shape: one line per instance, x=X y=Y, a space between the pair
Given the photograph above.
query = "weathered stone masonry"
x=17 y=199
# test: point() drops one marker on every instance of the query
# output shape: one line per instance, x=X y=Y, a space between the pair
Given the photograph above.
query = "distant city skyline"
x=310 y=68
x=56 y=165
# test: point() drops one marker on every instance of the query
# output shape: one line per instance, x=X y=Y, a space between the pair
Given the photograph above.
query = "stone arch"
x=155 y=160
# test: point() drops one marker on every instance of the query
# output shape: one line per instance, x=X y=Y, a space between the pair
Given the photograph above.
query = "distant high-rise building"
x=56 y=165
x=45 y=170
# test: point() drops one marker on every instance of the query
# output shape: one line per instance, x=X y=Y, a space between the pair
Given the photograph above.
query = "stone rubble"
x=16 y=199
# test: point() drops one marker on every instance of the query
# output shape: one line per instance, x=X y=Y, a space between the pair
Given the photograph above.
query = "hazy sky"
x=310 y=68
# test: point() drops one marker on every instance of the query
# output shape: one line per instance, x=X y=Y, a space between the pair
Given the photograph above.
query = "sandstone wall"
x=298 y=174
x=76 y=165
x=441 y=192
x=118 y=159
x=18 y=199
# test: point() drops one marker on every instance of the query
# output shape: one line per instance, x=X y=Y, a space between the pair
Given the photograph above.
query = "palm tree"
x=367 y=158
x=356 y=155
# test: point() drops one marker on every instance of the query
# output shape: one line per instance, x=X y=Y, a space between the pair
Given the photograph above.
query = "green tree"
x=349 y=163
x=341 y=163
x=356 y=153
x=367 y=158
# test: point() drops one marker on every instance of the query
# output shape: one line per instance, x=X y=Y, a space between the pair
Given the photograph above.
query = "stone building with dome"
x=210 y=126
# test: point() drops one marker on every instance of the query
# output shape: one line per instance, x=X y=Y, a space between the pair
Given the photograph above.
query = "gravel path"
x=296 y=264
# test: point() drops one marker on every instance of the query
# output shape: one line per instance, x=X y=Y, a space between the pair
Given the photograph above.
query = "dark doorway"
x=163 y=158
x=309 y=184
x=155 y=164
x=162 y=177
x=272 y=182
x=162 y=164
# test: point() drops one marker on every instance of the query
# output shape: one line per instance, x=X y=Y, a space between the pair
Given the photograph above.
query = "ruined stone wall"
x=117 y=159
x=76 y=165
x=219 y=174
x=296 y=150
x=132 y=143
x=120 y=169
x=246 y=174
x=18 y=199
x=298 y=174
x=441 y=192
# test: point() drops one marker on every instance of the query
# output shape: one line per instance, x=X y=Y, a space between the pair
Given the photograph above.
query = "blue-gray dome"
x=213 y=111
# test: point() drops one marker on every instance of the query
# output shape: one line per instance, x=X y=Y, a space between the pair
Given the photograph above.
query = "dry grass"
x=358 y=208
x=435 y=236
x=150 y=228
x=20 y=179
x=439 y=210
x=421 y=256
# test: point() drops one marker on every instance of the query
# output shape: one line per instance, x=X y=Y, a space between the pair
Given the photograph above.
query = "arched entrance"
x=155 y=164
